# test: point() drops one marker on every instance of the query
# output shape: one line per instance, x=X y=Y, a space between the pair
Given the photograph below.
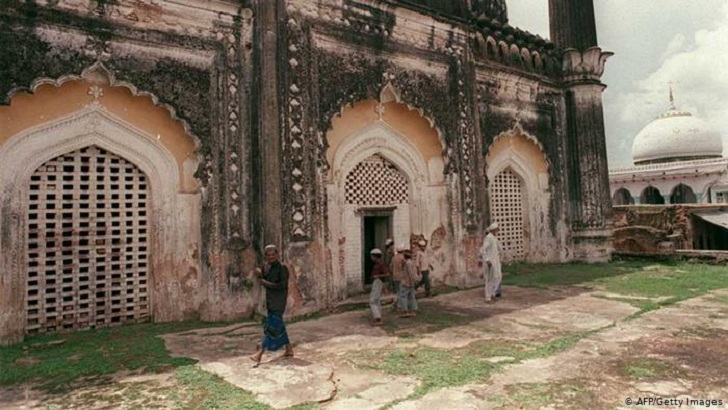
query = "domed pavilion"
x=678 y=159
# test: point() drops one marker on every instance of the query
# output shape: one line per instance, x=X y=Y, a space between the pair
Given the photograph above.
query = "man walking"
x=274 y=277
x=422 y=262
x=491 y=259
x=410 y=277
x=379 y=273
x=397 y=270
x=388 y=256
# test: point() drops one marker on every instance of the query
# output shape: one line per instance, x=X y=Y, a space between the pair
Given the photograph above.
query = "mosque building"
x=150 y=150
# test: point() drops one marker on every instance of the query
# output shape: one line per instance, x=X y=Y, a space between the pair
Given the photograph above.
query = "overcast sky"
x=655 y=42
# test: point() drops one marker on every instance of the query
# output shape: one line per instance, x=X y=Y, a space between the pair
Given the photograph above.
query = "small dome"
x=676 y=136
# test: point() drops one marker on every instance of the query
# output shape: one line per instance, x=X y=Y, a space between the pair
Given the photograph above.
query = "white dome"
x=676 y=135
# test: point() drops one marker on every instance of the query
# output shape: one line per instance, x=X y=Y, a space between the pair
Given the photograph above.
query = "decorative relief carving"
x=231 y=125
x=101 y=49
x=466 y=131
x=296 y=148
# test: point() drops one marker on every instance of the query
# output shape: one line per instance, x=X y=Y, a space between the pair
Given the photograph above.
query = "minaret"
x=573 y=30
x=572 y=24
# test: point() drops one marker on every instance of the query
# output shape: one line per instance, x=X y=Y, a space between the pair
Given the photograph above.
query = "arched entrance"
x=380 y=193
x=385 y=181
x=376 y=193
x=87 y=242
x=519 y=197
x=99 y=218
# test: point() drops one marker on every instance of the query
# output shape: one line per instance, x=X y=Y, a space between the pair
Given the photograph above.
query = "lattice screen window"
x=375 y=181
x=506 y=198
x=88 y=243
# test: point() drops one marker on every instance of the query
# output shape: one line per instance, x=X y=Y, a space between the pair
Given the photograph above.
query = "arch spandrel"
x=396 y=118
x=48 y=99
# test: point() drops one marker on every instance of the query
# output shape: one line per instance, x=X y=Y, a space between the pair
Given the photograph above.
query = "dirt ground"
x=562 y=347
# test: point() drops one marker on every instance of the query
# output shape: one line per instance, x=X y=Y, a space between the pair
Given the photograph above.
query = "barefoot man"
x=274 y=277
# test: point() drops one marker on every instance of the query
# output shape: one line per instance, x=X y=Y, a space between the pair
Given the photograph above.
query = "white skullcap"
x=376 y=251
x=388 y=242
x=401 y=248
x=492 y=227
x=422 y=242
x=270 y=248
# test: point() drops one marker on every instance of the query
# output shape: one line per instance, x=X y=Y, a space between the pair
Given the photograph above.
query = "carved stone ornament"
x=587 y=65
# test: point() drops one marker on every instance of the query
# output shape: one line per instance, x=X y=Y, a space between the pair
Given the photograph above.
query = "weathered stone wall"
x=196 y=64
x=257 y=84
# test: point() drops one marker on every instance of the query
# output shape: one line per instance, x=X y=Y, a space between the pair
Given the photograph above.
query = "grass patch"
x=646 y=368
x=306 y=406
x=544 y=275
x=434 y=368
x=198 y=389
x=531 y=394
x=644 y=305
x=438 y=369
x=679 y=282
x=569 y=394
x=672 y=282
x=91 y=353
x=192 y=388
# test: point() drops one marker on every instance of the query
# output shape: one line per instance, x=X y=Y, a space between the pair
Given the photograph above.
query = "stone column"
x=268 y=153
x=590 y=210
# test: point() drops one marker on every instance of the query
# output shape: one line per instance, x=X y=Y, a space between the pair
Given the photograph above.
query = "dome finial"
x=672 y=99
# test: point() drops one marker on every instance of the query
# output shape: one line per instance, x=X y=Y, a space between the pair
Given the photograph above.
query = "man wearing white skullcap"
x=491 y=259
x=273 y=276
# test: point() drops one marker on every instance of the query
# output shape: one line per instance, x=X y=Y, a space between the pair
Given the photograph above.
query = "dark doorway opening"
x=377 y=227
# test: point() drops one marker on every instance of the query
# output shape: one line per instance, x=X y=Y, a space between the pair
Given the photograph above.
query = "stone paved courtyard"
x=554 y=347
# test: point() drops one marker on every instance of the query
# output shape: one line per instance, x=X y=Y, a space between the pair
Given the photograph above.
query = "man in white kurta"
x=490 y=260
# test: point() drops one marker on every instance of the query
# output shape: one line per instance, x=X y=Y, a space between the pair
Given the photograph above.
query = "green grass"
x=544 y=275
x=646 y=368
x=434 y=368
x=644 y=305
x=198 y=389
x=559 y=345
x=670 y=282
x=682 y=281
x=448 y=368
x=89 y=354
x=192 y=388
x=531 y=394
x=537 y=395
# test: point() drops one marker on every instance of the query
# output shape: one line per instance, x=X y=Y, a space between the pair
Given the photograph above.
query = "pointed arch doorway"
x=376 y=193
x=87 y=243
x=519 y=197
